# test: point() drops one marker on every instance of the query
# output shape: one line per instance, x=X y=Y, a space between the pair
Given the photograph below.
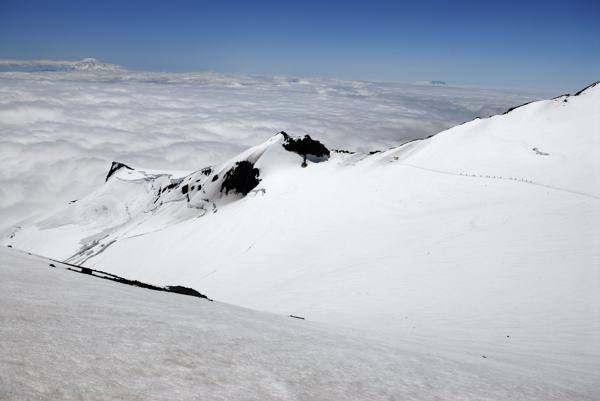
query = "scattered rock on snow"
x=179 y=289
x=586 y=88
x=539 y=152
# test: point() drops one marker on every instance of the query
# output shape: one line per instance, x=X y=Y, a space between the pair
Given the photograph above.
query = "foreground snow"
x=68 y=336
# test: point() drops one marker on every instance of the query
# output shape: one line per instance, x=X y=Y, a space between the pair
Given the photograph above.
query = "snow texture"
x=69 y=336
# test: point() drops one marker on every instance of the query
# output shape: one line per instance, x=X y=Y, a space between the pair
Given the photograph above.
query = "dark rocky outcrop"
x=178 y=289
x=241 y=178
x=114 y=167
x=539 y=152
x=308 y=148
x=586 y=88
x=349 y=152
x=169 y=187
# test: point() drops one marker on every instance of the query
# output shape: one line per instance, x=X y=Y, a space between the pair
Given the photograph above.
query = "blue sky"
x=553 y=45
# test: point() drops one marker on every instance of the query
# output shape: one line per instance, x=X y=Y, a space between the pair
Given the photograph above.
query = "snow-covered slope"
x=482 y=240
x=68 y=336
x=63 y=122
x=554 y=143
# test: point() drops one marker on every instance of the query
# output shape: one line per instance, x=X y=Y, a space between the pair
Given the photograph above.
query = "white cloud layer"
x=60 y=130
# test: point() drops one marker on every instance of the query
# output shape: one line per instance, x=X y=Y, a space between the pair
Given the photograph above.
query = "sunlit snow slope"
x=481 y=240
x=63 y=122
x=69 y=336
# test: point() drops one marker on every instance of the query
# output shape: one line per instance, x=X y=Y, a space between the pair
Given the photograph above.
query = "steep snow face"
x=482 y=239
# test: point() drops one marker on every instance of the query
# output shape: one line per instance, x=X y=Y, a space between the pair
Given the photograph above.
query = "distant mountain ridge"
x=87 y=64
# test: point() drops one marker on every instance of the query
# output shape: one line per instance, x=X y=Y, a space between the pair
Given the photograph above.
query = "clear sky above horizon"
x=550 y=45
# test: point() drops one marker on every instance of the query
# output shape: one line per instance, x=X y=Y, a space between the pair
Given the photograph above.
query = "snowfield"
x=468 y=262
x=69 y=336
x=63 y=123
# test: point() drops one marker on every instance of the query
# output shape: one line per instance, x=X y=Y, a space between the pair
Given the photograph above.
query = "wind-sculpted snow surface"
x=62 y=123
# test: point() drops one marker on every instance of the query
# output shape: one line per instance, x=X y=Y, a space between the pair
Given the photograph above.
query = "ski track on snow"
x=512 y=179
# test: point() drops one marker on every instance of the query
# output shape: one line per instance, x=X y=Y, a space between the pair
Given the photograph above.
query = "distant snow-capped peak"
x=92 y=64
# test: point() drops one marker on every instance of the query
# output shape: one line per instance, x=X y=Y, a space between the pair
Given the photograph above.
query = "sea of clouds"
x=61 y=125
